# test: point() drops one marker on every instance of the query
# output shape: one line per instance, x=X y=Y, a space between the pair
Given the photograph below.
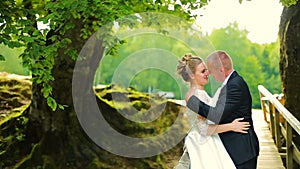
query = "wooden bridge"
x=269 y=157
x=275 y=127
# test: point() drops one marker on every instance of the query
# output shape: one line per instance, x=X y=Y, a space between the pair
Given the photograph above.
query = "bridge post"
x=289 y=146
x=272 y=128
x=277 y=130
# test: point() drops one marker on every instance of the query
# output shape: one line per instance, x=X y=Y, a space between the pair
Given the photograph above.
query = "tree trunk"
x=289 y=34
x=55 y=139
x=60 y=141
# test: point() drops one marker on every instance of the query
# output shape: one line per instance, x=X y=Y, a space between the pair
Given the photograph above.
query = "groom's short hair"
x=220 y=59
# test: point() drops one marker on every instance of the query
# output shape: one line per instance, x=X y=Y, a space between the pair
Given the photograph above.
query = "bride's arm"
x=236 y=125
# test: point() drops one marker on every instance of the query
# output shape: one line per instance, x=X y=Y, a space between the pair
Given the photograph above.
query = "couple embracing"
x=222 y=134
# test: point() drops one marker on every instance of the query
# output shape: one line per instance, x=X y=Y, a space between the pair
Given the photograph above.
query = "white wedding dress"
x=203 y=151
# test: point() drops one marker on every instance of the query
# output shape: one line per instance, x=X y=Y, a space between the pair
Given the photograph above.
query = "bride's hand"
x=239 y=126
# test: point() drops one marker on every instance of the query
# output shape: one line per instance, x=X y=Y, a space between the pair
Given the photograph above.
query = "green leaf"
x=288 y=3
x=28 y=39
x=43 y=19
x=36 y=32
x=52 y=103
x=47 y=90
x=54 y=38
x=2 y=58
x=61 y=107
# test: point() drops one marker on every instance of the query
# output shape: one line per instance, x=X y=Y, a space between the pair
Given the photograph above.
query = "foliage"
x=21 y=22
x=262 y=60
x=256 y=63
x=2 y=58
x=12 y=63
x=23 y=28
x=269 y=60
x=288 y=3
x=148 y=62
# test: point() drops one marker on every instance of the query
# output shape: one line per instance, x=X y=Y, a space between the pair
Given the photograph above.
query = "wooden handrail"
x=289 y=117
x=270 y=104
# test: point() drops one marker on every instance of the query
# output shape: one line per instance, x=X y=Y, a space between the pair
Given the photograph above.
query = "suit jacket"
x=234 y=102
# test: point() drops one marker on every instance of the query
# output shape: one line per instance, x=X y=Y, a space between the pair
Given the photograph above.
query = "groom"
x=234 y=102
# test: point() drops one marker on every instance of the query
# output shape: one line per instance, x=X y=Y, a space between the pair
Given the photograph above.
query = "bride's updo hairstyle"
x=187 y=65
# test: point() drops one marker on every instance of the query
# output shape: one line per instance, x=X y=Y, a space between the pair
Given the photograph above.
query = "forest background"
x=257 y=63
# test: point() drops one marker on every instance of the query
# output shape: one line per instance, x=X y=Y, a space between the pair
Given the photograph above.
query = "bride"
x=203 y=149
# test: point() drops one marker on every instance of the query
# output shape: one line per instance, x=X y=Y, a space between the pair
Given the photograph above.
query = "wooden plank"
x=269 y=157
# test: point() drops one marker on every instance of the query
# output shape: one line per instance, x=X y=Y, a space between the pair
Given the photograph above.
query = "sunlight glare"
x=260 y=17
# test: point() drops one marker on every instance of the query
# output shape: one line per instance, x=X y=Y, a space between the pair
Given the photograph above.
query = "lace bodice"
x=195 y=122
x=203 y=96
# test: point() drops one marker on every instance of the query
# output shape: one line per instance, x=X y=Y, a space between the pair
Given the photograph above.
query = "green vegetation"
x=13 y=123
x=257 y=63
x=53 y=137
x=129 y=102
x=12 y=62
x=15 y=93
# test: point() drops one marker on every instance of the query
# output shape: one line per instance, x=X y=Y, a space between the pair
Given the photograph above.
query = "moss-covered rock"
x=15 y=92
x=21 y=149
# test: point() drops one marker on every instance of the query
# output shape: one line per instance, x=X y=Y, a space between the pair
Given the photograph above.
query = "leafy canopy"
x=21 y=21
x=20 y=26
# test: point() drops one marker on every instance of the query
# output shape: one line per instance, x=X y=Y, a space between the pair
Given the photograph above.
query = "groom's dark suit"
x=234 y=102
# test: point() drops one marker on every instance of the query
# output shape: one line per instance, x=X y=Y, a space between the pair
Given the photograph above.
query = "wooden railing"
x=282 y=126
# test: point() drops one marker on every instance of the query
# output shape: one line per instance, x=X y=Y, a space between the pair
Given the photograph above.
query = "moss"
x=35 y=156
x=18 y=150
x=96 y=164
x=16 y=112
x=15 y=92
